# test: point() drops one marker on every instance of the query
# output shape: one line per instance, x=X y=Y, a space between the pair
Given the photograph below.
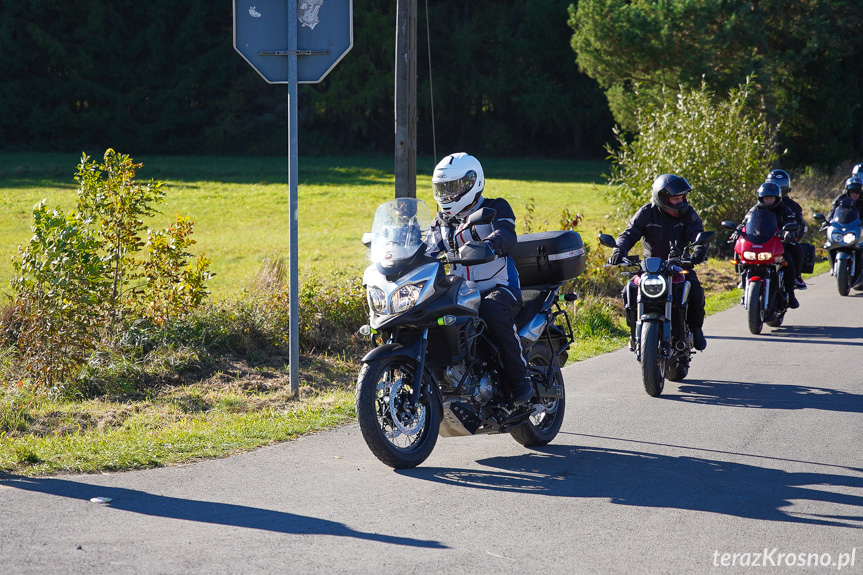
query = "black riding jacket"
x=858 y=201
x=798 y=215
x=658 y=230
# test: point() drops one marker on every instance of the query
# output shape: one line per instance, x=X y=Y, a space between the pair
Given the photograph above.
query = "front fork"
x=640 y=316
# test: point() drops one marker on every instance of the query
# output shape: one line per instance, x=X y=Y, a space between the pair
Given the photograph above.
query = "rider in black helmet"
x=853 y=190
x=783 y=180
x=770 y=198
x=667 y=222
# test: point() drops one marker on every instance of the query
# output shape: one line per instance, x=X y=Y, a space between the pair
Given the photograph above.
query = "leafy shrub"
x=81 y=277
x=721 y=147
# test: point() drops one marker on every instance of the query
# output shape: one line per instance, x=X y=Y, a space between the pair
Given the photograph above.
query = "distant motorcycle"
x=760 y=260
x=663 y=342
x=434 y=370
x=844 y=245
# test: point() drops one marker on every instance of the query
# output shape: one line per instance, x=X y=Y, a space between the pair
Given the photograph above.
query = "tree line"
x=163 y=77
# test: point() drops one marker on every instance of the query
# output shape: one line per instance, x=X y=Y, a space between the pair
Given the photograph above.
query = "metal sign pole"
x=326 y=35
x=293 y=180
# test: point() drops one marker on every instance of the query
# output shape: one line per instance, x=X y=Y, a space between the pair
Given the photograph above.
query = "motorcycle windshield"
x=761 y=226
x=399 y=229
x=845 y=215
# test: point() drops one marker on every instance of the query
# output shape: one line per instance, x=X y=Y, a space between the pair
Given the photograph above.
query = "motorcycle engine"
x=483 y=389
x=479 y=386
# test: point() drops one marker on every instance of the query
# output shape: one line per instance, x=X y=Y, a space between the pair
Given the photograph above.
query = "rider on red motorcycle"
x=770 y=198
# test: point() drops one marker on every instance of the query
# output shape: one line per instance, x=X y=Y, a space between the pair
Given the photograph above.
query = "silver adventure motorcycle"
x=434 y=370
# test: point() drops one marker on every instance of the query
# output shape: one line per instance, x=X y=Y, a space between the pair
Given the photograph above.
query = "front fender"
x=393 y=350
x=843 y=256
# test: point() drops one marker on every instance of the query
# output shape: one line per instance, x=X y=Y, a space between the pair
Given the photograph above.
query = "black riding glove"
x=699 y=255
x=616 y=257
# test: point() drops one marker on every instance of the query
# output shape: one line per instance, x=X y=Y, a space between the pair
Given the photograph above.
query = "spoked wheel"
x=540 y=429
x=400 y=435
x=753 y=298
x=843 y=280
x=651 y=374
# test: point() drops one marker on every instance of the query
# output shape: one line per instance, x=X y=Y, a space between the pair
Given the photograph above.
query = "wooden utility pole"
x=406 y=99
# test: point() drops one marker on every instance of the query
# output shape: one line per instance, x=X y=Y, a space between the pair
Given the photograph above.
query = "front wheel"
x=651 y=374
x=540 y=429
x=753 y=298
x=400 y=435
x=843 y=281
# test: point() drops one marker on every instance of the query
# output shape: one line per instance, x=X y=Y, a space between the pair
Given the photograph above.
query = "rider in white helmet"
x=458 y=182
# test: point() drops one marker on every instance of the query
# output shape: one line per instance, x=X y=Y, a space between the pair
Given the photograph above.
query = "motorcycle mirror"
x=367 y=239
x=792 y=227
x=607 y=240
x=820 y=217
x=704 y=237
x=481 y=216
x=729 y=225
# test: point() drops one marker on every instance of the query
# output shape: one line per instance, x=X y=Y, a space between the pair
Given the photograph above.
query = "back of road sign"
x=324 y=30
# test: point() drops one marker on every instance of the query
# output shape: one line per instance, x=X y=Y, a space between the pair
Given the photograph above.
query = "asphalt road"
x=757 y=453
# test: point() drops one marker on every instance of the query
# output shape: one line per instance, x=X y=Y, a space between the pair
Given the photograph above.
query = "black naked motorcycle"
x=663 y=342
x=434 y=370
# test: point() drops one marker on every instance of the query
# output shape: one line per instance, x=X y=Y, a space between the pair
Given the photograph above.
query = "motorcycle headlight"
x=377 y=300
x=763 y=256
x=653 y=285
x=850 y=237
x=406 y=297
x=837 y=236
x=750 y=256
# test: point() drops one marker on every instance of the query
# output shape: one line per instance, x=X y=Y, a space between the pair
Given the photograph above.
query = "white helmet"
x=457 y=182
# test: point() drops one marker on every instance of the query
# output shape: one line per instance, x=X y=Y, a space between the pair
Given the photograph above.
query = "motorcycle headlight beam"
x=653 y=285
x=377 y=300
x=849 y=238
x=406 y=297
x=750 y=256
x=764 y=256
x=837 y=237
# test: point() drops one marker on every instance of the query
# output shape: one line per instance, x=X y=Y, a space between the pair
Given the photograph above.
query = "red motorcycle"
x=760 y=260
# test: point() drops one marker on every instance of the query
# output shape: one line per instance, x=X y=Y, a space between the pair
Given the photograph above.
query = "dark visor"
x=453 y=190
x=677 y=187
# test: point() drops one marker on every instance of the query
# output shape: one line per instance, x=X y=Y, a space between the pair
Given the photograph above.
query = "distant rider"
x=783 y=180
x=458 y=183
x=770 y=198
x=667 y=222
x=854 y=191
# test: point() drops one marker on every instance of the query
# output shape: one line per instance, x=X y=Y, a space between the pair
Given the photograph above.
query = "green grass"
x=240 y=206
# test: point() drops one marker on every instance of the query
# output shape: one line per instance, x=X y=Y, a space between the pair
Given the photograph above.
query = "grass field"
x=241 y=207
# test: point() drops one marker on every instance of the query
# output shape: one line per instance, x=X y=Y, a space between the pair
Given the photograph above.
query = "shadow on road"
x=765 y=395
x=145 y=503
x=643 y=479
x=816 y=337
